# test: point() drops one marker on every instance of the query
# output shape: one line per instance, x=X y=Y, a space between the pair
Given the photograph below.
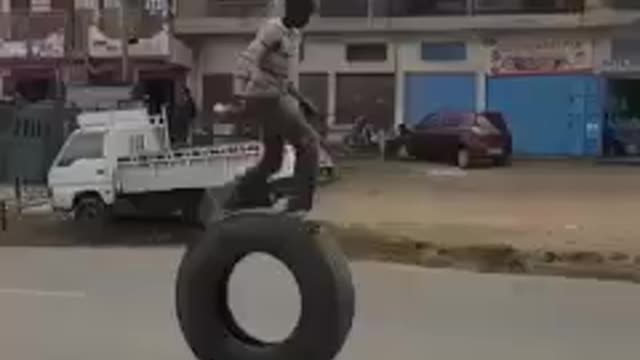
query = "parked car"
x=461 y=138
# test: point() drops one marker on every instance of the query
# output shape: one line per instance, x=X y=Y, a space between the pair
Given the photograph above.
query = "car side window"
x=429 y=121
x=452 y=120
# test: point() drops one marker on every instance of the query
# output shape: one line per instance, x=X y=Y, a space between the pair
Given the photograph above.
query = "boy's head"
x=297 y=13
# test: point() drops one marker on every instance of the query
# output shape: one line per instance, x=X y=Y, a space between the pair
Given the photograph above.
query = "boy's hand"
x=308 y=108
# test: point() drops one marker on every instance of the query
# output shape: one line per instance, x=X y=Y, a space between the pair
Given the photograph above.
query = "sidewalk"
x=551 y=209
x=34 y=198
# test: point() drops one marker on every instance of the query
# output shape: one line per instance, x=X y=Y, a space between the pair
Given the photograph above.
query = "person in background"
x=190 y=113
x=182 y=117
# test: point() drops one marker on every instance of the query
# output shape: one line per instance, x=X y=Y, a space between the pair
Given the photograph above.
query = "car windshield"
x=83 y=146
x=427 y=121
x=496 y=120
x=483 y=122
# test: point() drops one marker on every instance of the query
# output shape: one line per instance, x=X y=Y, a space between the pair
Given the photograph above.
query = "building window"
x=343 y=8
x=444 y=51
x=527 y=6
x=366 y=52
x=625 y=49
x=20 y=4
x=238 y=8
x=412 y=8
x=625 y=4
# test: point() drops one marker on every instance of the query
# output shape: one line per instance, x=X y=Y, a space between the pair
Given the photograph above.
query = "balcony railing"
x=140 y=23
x=385 y=8
x=33 y=35
x=56 y=34
x=623 y=4
x=527 y=6
x=238 y=8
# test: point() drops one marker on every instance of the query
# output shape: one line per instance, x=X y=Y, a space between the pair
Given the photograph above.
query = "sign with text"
x=534 y=56
x=621 y=65
x=50 y=46
x=13 y=49
x=101 y=46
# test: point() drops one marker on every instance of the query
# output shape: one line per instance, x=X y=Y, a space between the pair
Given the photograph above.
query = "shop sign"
x=620 y=65
x=102 y=46
x=13 y=49
x=522 y=55
x=50 y=47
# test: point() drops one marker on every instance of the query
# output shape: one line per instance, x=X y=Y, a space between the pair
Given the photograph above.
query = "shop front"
x=547 y=91
x=621 y=133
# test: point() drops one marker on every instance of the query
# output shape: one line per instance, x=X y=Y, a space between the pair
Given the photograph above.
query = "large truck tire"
x=317 y=263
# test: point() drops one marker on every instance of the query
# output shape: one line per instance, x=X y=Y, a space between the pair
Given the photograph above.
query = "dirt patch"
x=359 y=243
x=51 y=230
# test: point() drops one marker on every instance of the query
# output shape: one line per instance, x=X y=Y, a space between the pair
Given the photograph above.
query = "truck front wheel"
x=89 y=208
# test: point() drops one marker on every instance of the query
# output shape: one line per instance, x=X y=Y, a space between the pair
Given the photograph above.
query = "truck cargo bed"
x=192 y=168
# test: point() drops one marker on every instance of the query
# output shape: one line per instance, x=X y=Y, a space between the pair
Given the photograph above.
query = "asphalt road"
x=78 y=304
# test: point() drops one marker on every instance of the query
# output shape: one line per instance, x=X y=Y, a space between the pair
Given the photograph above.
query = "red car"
x=461 y=138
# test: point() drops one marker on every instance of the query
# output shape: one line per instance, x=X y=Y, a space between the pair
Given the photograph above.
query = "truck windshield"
x=82 y=146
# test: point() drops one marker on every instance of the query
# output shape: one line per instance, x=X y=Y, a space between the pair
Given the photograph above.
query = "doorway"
x=549 y=115
x=369 y=95
x=160 y=92
x=621 y=131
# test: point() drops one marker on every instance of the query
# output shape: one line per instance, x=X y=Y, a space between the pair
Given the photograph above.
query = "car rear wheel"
x=463 y=158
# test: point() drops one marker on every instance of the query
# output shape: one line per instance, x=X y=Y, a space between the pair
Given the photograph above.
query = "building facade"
x=551 y=66
x=45 y=43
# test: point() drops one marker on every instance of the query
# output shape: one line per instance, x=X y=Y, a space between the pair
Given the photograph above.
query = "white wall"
x=219 y=55
x=5 y=5
x=601 y=50
x=326 y=55
x=214 y=56
x=40 y=5
x=330 y=55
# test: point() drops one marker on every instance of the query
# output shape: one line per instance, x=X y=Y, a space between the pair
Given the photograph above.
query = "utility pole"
x=124 y=39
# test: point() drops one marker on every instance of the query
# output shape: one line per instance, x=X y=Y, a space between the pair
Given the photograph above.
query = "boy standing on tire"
x=265 y=79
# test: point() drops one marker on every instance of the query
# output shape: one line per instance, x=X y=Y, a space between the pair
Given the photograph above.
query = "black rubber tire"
x=317 y=263
x=90 y=209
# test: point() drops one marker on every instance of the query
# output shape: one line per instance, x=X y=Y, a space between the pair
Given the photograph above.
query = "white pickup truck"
x=125 y=156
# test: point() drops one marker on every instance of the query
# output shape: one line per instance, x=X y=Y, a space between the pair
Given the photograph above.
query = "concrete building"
x=48 y=44
x=543 y=62
x=44 y=43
